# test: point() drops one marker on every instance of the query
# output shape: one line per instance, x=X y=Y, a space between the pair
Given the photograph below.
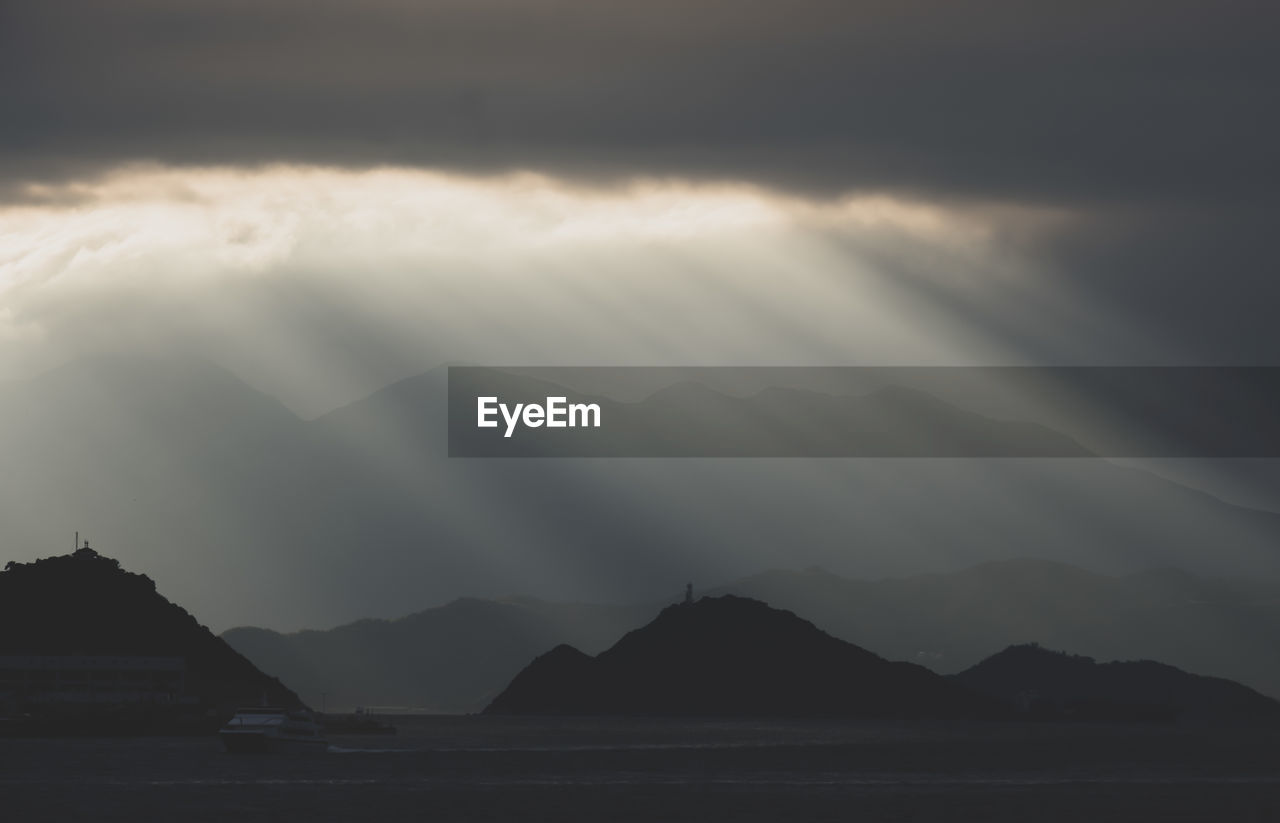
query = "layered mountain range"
x=458 y=657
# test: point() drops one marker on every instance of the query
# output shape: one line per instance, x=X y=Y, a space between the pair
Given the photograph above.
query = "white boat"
x=272 y=730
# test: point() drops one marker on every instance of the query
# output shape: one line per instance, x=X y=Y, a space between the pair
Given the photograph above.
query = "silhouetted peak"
x=83 y=563
x=734 y=656
x=84 y=603
x=1068 y=686
x=565 y=652
x=725 y=621
x=721 y=604
x=1035 y=653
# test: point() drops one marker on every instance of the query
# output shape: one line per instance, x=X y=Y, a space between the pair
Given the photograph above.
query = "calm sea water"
x=478 y=768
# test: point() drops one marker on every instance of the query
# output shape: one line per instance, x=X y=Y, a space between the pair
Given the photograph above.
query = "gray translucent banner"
x=864 y=412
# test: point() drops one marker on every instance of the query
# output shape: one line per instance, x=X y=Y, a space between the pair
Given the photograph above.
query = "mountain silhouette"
x=1057 y=685
x=1220 y=627
x=731 y=656
x=84 y=604
x=457 y=657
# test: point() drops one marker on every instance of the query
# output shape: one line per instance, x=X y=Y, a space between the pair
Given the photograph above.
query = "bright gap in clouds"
x=319 y=285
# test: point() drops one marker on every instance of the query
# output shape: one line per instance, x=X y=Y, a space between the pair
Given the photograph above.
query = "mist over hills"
x=249 y=515
x=454 y=658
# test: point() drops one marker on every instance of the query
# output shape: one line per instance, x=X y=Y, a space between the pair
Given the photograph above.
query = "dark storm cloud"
x=1154 y=122
x=1143 y=101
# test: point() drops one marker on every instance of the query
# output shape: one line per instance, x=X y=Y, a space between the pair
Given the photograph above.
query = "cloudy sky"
x=325 y=196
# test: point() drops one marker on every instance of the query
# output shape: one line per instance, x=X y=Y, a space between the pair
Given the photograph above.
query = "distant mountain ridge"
x=1055 y=685
x=453 y=658
x=731 y=656
x=950 y=621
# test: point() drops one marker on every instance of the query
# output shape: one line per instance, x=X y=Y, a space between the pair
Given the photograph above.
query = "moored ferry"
x=272 y=729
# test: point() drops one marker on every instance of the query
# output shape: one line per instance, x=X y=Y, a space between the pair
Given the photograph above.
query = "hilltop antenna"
x=76 y=545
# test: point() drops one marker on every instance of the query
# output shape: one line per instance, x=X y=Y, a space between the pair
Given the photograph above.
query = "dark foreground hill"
x=949 y=622
x=1055 y=685
x=84 y=605
x=731 y=656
